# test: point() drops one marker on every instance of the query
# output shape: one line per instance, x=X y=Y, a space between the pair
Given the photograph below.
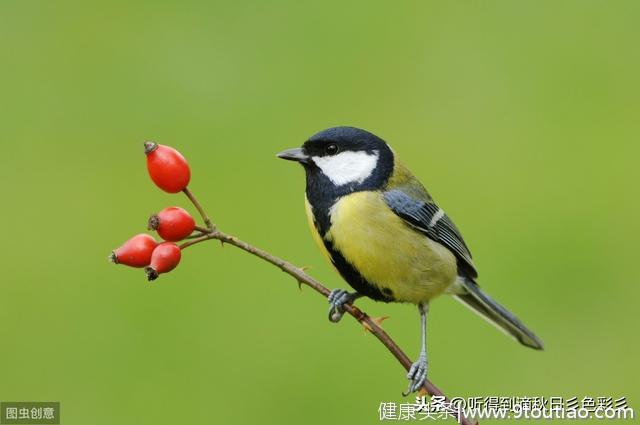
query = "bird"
x=386 y=236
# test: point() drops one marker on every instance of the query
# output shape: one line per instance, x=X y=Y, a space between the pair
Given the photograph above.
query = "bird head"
x=346 y=158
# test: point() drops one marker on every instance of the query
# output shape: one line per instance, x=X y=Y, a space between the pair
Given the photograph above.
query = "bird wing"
x=431 y=220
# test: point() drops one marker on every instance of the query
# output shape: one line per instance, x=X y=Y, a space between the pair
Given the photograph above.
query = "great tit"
x=385 y=235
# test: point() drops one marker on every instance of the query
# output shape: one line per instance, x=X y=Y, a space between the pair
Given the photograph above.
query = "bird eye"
x=331 y=149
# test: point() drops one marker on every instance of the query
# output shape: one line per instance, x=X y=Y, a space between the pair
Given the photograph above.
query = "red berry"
x=165 y=258
x=136 y=252
x=172 y=224
x=167 y=167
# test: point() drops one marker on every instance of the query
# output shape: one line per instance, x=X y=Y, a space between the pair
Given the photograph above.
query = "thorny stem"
x=302 y=278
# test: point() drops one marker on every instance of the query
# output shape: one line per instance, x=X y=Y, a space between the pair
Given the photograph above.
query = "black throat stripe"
x=354 y=278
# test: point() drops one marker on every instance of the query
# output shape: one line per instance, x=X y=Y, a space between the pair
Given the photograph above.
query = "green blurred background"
x=522 y=118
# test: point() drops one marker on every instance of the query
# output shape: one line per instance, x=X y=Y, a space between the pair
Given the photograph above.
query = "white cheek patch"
x=347 y=167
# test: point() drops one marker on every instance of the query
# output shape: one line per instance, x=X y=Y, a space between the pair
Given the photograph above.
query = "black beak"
x=295 y=154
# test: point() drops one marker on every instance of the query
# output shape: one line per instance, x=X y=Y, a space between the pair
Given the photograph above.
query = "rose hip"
x=165 y=258
x=136 y=252
x=172 y=224
x=167 y=167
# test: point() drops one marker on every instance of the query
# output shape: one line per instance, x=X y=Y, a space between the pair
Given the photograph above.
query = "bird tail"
x=472 y=296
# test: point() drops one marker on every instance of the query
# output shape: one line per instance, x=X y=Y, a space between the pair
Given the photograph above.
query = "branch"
x=302 y=278
x=196 y=204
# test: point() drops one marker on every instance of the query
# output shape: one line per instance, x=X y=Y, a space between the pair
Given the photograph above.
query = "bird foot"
x=417 y=375
x=337 y=299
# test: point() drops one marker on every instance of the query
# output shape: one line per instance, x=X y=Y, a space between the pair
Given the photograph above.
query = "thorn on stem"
x=377 y=320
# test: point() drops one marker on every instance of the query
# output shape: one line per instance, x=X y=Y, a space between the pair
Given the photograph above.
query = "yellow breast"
x=388 y=252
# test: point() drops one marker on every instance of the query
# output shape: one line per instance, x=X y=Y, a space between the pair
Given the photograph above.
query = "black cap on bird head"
x=345 y=159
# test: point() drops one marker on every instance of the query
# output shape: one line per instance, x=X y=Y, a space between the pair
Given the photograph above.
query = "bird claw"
x=337 y=299
x=417 y=375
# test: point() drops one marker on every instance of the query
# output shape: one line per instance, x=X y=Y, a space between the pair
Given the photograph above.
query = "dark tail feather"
x=496 y=314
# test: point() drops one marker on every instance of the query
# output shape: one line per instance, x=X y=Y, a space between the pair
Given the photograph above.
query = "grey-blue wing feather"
x=429 y=219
